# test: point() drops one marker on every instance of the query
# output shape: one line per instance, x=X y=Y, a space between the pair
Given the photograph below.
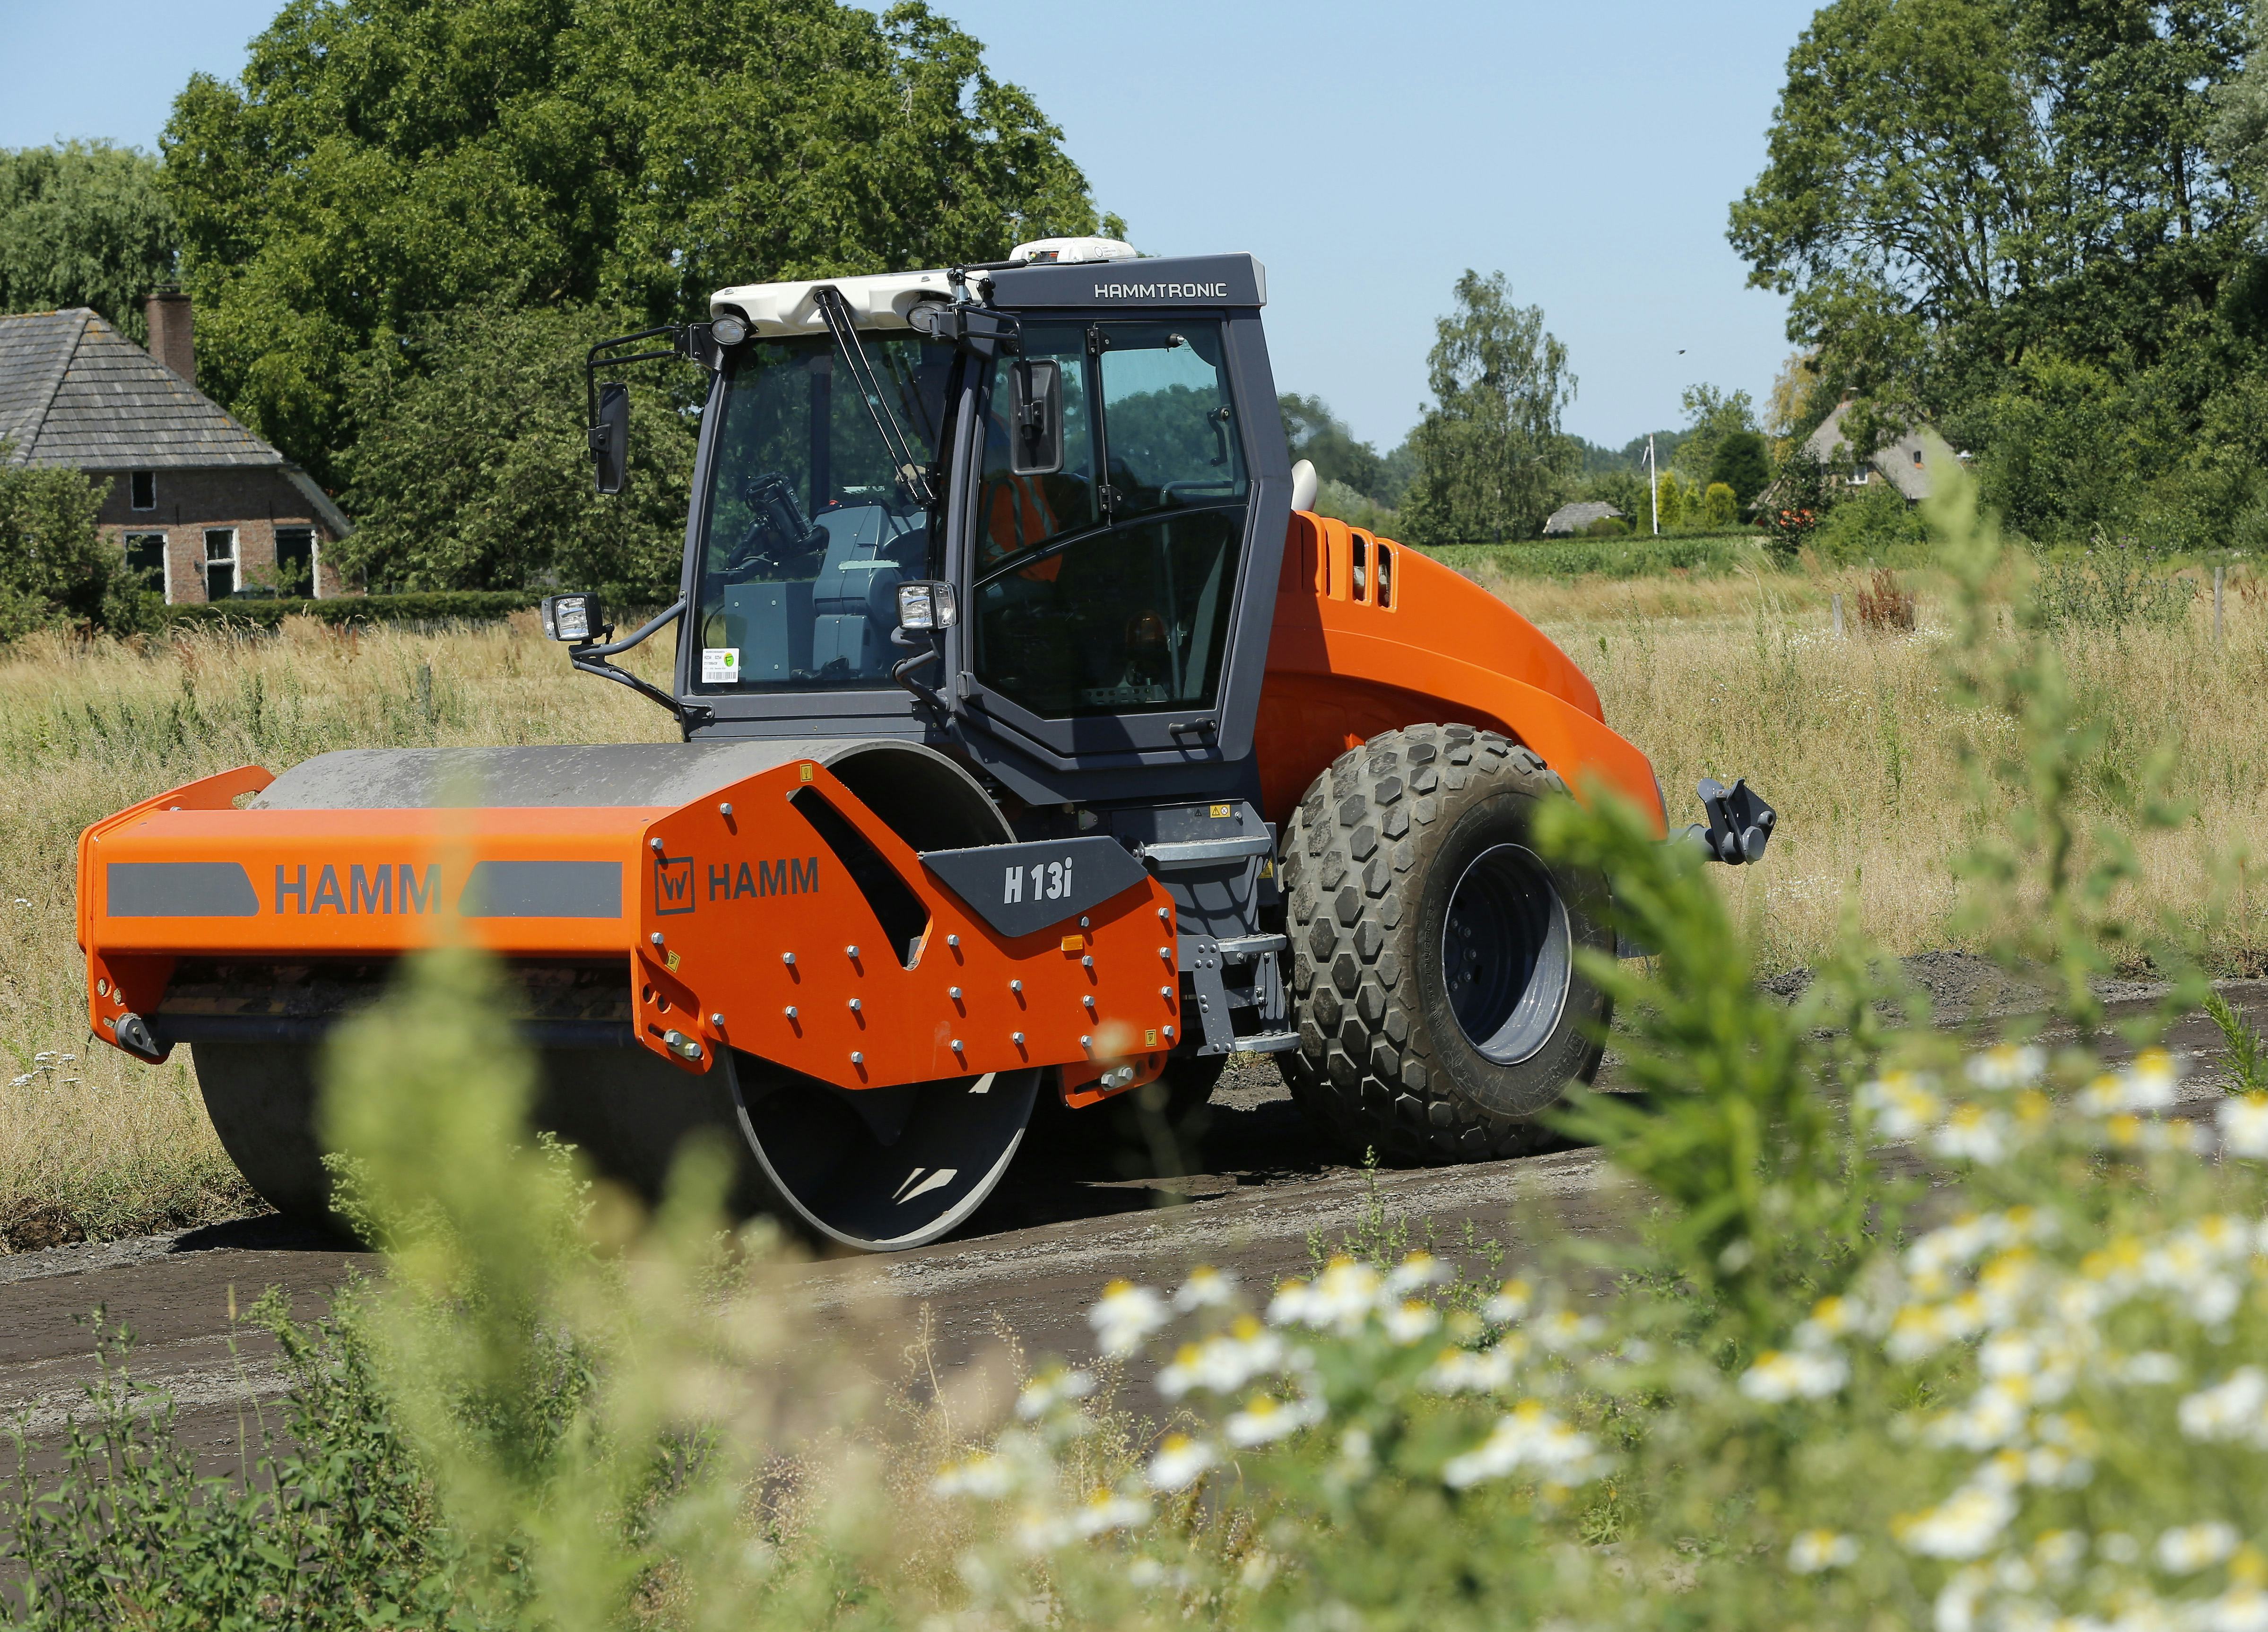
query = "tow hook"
x=1740 y=822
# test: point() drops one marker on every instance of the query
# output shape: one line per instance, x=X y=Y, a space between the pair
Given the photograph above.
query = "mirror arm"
x=903 y=672
x=590 y=658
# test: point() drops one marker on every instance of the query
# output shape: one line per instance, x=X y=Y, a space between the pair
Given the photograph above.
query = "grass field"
x=1731 y=674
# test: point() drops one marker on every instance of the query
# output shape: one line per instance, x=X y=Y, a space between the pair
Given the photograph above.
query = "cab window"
x=1116 y=597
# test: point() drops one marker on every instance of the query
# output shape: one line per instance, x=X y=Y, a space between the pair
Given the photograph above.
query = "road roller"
x=1039 y=740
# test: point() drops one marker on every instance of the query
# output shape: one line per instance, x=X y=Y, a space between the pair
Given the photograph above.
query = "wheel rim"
x=1506 y=954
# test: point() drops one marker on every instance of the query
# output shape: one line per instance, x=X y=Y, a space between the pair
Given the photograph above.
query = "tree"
x=56 y=566
x=1490 y=457
x=1741 y=464
x=472 y=470
x=1953 y=183
x=83 y=225
x=1319 y=435
x=1719 y=508
x=381 y=160
x=1711 y=415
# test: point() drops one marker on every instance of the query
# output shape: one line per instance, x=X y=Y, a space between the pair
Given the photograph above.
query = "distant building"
x=1574 y=517
x=201 y=507
x=1899 y=463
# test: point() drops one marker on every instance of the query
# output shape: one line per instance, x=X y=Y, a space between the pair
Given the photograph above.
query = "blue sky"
x=1366 y=153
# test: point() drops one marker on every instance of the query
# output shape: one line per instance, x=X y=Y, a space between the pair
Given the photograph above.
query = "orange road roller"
x=1038 y=740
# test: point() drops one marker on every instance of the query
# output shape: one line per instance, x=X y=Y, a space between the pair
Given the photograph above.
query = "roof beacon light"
x=1073 y=251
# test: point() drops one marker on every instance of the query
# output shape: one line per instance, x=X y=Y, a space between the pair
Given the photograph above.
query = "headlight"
x=729 y=331
x=572 y=617
x=927 y=605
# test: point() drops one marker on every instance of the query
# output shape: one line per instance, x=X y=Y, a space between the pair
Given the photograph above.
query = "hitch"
x=1740 y=822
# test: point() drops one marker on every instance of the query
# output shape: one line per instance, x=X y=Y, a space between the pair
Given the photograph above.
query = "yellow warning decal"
x=1150 y=1037
x=1221 y=813
x=1074 y=942
x=673 y=961
x=805 y=769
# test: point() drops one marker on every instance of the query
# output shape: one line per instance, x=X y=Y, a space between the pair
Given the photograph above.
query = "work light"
x=572 y=617
x=927 y=605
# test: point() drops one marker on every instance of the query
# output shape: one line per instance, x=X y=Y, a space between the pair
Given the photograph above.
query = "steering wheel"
x=777 y=531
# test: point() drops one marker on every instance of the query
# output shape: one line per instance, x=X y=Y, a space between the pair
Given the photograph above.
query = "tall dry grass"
x=92 y=1143
x=1855 y=742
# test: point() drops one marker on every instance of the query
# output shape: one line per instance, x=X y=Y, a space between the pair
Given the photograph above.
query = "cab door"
x=1100 y=597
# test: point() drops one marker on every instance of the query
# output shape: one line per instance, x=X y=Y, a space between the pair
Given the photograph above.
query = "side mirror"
x=927 y=605
x=576 y=618
x=610 y=437
x=1036 y=424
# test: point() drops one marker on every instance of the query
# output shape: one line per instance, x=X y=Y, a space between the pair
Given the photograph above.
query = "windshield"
x=809 y=531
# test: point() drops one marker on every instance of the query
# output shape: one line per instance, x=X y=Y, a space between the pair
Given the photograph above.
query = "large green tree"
x=1968 y=200
x=471 y=471
x=83 y=225
x=381 y=159
x=1491 y=460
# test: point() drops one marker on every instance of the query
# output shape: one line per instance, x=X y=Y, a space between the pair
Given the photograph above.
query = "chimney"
x=173 y=337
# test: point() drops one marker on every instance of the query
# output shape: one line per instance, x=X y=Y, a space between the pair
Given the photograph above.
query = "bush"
x=1720 y=508
x=55 y=566
x=2109 y=586
x=441 y=606
x=1870 y=526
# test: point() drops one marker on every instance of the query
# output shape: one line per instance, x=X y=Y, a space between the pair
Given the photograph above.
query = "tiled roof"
x=75 y=392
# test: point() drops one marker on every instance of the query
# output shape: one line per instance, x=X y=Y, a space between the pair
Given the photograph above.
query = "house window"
x=220 y=562
x=145 y=562
x=145 y=485
x=295 y=560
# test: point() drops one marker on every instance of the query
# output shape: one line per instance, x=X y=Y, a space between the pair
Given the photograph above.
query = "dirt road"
x=1072 y=1214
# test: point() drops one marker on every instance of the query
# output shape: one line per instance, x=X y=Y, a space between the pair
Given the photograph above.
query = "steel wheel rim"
x=1506 y=954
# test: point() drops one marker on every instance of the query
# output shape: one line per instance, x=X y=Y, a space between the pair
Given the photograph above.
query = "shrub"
x=1884 y=606
x=440 y=607
x=1720 y=508
x=1869 y=525
x=2111 y=585
x=55 y=566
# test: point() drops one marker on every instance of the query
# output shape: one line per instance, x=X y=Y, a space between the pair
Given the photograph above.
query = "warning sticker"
x=720 y=665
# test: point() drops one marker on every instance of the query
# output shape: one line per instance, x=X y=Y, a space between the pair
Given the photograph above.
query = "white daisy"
x=1126 y=1315
x=1179 y=1461
x=2188 y=1548
x=1814 y=1550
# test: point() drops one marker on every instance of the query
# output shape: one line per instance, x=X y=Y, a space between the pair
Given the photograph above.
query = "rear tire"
x=1440 y=1009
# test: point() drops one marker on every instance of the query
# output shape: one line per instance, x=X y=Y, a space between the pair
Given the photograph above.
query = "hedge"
x=440 y=607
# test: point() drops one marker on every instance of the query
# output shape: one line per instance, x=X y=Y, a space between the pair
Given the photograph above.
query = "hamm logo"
x=673 y=885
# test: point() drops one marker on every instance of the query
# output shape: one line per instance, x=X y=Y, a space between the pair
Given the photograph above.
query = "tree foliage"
x=83 y=225
x=384 y=159
x=1974 y=204
x=1490 y=458
x=1318 y=435
x=471 y=472
x=1741 y=464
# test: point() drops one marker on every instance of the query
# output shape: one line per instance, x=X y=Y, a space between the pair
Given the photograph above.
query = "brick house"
x=200 y=507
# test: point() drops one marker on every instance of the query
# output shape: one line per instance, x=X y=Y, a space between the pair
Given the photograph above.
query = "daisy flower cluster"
x=2054 y=1336
x=1355 y=1336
